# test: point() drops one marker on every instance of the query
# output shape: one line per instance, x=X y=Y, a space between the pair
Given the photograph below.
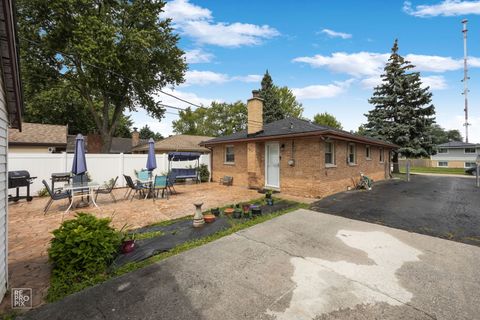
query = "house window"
x=229 y=154
x=470 y=150
x=442 y=150
x=443 y=163
x=382 y=156
x=351 y=153
x=470 y=164
x=368 y=152
x=329 y=153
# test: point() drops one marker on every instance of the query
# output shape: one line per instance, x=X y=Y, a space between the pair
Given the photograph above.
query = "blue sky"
x=329 y=53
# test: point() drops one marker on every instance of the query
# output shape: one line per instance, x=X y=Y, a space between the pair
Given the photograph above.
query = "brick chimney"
x=255 y=113
x=135 y=137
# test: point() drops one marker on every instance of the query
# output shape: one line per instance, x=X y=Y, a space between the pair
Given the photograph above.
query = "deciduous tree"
x=326 y=119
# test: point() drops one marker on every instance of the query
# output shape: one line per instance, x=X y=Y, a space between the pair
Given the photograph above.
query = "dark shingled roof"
x=457 y=144
x=291 y=126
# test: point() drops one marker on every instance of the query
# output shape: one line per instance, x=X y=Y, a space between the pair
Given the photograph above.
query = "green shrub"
x=204 y=173
x=42 y=192
x=85 y=244
x=81 y=251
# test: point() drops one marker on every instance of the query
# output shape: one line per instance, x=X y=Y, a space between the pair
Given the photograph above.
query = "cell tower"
x=465 y=77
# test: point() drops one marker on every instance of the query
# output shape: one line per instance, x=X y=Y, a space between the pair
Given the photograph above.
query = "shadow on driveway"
x=445 y=207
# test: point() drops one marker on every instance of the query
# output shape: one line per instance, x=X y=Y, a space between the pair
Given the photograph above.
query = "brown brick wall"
x=309 y=176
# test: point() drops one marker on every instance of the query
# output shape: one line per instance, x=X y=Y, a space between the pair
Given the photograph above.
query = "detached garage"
x=11 y=107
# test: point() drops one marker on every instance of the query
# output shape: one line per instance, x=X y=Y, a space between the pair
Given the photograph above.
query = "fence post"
x=407 y=165
x=65 y=159
x=121 y=169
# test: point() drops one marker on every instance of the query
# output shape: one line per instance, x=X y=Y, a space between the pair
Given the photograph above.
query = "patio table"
x=148 y=183
x=79 y=188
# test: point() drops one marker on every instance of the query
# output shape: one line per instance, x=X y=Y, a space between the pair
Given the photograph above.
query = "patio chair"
x=170 y=185
x=55 y=196
x=226 y=181
x=137 y=187
x=160 y=183
x=107 y=190
x=143 y=175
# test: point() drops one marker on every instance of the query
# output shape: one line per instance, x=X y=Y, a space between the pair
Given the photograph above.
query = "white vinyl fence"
x=100 y=167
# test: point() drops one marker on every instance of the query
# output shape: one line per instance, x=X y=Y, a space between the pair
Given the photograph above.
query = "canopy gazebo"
x=183 y=173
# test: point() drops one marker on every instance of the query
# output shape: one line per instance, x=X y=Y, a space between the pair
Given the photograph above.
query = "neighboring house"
x=296 y=156
x=38 y=138
x=93 y=144
x=11 y=108
x=455 y=154
x=181 y=142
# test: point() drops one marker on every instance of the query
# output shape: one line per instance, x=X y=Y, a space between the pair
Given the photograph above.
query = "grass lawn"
x=435 y=170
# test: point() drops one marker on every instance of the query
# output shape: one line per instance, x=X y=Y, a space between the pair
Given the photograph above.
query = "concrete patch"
x=318 y=280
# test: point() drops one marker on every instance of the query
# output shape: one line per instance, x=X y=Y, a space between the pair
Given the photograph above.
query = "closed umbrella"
x=151 y=160
x=79 y=166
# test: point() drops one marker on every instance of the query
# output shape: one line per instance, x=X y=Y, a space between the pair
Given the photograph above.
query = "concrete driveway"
x=302 y=265
x=446 y=207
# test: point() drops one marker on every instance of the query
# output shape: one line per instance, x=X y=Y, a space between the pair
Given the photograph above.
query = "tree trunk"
x=396 y=166
x=106 y=141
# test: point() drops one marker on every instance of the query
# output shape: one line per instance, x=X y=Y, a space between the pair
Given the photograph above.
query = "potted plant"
x=215 y=211
x=128 y=243
x=228 y=211
x=237 y=214
x=256 y=210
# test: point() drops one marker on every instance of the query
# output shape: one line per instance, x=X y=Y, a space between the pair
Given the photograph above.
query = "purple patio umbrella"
x=151 y=160
x=79 y=166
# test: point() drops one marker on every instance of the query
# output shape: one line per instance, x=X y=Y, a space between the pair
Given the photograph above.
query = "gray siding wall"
x=3 y=193
x=456 y=154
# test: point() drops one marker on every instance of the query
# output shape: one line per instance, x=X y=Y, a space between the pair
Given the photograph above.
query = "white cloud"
x=371 y=64
x=446 y=8
x=249 y=78
x=456 y=122
x=435 y=82
x=198 y=23
x=202 y=78
x=198 y=56
x=336 y=34
x=355 y=64
x=181 y=11
x=322 y=91
x=188 y=96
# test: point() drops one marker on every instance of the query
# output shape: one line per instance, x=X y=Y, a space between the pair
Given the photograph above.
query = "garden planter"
x=209 y=218
x=215 y=212
x=128 y=246
x=228 y=211
x=237 y=214
x=256 y=211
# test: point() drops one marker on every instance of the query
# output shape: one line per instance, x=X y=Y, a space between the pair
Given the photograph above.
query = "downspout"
x=211 y=162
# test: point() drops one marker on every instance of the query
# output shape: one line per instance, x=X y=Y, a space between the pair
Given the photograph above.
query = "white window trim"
x=333 y=164
x=225 y=154
x=354 y=163
x=439 y=166
x=368 y=157
x=469 y=152
x=381 y=155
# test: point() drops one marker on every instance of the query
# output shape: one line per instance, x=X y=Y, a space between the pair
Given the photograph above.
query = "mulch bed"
x=183 y=231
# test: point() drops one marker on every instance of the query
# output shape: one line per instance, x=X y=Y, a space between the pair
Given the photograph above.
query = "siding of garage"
x=3 y=191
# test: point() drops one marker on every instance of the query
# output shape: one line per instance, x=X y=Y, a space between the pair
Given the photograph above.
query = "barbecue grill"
x=18 y=179
x=60 y=177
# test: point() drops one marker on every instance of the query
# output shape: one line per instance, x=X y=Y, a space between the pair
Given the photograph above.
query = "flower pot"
x=246 y=208
x=128 y=246
x=215 y=212
x=228 y=211
x=209 y=218
x=256 y=211
x=237 y=214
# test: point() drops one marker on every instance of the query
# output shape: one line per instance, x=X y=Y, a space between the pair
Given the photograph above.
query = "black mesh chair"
x=107 y=190
x=55 y=196
x=136 y=187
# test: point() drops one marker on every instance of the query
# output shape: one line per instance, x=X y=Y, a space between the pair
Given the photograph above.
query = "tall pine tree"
x=403 y=112
x=271 y=105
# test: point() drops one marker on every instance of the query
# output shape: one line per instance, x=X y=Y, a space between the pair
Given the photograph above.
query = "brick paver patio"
x=30 y=230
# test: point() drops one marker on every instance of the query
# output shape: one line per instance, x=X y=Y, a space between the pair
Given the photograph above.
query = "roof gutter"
x=332 y=133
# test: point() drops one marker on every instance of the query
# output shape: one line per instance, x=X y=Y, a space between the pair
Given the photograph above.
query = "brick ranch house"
x=296 y=156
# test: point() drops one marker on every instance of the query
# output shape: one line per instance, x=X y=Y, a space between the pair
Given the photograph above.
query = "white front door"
x=272 y=165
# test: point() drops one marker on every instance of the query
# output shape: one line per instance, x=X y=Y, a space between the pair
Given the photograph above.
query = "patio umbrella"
x=151 y=160
x=79 y=166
